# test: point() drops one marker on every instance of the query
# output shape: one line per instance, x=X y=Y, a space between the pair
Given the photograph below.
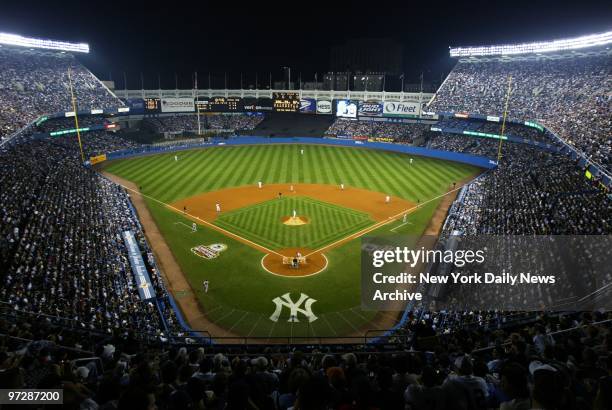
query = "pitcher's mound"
x=294 y=220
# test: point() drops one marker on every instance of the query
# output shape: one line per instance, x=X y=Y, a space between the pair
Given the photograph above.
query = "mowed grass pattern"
x=205 y=170
x=262 y=223
x=241 y=292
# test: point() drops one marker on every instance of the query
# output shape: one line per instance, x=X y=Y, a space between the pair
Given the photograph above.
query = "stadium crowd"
x=180 y=123
x=61 y=247
x=33 y=83
x=397 y=132
x=571 y=96
x=62 y=255
x=490 y=127
x=458 y=143
x=557 y=362
x=531 y=192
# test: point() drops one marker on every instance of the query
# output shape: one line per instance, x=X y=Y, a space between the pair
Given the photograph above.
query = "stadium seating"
x=558 y=362
x=292 y=125
x=398 y=132
x=33 y=83
x=570 y=96
x=71 y=316
x=189 y=123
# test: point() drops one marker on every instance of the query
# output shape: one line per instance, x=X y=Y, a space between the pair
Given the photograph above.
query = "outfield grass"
x=241 y=291
x=261 y=223
x=204 y=170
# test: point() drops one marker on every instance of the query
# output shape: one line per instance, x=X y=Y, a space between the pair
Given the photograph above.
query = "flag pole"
x=76 y=117
x=503 y=129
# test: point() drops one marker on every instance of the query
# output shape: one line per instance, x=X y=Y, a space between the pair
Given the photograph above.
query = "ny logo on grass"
x=294 y=307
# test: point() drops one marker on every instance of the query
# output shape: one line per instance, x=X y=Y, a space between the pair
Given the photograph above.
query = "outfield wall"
x=475 y=160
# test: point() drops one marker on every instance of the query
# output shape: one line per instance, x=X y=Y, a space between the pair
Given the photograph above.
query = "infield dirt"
x=373 y=203
x=203 y=206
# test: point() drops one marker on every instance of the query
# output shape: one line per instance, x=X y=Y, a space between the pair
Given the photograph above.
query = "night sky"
x=171 y=37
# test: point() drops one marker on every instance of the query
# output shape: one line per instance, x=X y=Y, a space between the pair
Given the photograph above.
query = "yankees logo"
x=294 y=307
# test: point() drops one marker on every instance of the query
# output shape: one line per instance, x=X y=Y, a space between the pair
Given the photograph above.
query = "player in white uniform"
x=342 y=187
x=302 y=151
x=194 y=227
x=205 y=286
x=218 y=207
x=260 y=184
x=387 y=199
x=176 y=157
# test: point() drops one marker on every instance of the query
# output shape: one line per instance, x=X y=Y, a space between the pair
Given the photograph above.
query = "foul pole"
x=76 y=117
x=503 y=129
x=197 y=105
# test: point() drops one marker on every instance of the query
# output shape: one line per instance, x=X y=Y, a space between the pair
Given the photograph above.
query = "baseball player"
x=259 y=184
x=411 y=161
x=387 y=199
x=218 y=207
x=205 y=285
x=342 y=187
x=194 y=227
x=405 y=218
x=294 y=213
x=291 y=188
x=176 y=157
x=302 y=151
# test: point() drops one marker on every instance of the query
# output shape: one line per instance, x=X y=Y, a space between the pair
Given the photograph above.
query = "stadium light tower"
x=575 y=43
x=20 y=41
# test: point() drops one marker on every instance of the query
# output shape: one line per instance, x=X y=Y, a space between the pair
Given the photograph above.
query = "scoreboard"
x=286 y=102
x=152 y=105
x=220 y=104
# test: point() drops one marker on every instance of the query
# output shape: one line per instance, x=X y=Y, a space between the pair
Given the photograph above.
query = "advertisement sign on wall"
x=308 y=106
x=137 y=105
x=176 y=104
x=401 y=109
x=258 y=104
x=346 y=108
x=324 y=107
x=370 y=109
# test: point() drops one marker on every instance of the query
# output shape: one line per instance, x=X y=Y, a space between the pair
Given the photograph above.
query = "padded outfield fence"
x=475 y=160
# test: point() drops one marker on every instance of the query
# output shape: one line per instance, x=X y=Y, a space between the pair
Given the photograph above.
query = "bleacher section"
x=292 y=125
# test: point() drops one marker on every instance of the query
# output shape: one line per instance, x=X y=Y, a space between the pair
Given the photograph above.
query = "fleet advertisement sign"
x=324 y=107
x=308 y=106
x=370 y=109
x=177 y=104
x=401 y=109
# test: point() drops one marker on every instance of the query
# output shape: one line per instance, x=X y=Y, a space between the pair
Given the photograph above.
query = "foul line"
x=185 y=225
x=399 y=226
x=210 y=225
x=383 y=223
x=355 y=235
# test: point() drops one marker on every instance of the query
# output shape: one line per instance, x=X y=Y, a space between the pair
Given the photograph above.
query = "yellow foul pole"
x=503 y=129
x=76 y=117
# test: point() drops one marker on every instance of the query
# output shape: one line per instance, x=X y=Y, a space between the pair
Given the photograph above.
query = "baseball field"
x=313 y=205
